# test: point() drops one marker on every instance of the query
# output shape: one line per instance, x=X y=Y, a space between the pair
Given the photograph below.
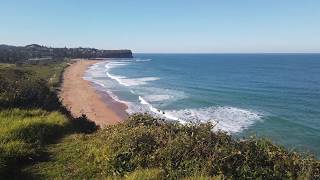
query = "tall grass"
x=23 y=134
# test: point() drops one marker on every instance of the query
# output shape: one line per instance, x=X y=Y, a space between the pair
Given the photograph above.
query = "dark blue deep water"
x=271 y=95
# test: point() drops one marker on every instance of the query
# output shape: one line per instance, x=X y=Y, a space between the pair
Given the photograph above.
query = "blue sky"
x=165 y=25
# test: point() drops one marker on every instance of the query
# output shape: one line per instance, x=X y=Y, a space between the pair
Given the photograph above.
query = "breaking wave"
x=156 y=111
x=124 y=80
x=131 y=82
x=229 y=119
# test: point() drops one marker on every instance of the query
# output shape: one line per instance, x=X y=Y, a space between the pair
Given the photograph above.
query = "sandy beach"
x=80 y=97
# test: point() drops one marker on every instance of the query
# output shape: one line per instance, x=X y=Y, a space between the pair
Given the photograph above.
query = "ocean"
x=276 y=96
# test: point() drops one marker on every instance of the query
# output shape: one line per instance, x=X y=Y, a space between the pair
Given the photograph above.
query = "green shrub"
x=27 y=93
x=81 y=124
x=30 y=86
x=177 y=151
x=145 y=174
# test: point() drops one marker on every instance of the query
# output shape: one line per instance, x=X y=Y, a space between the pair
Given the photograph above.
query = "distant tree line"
x=13 y=54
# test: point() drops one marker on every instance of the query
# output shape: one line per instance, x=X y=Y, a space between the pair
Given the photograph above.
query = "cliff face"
x=12 y=54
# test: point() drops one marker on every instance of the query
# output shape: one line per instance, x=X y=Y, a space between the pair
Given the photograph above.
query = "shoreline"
x=81 y=96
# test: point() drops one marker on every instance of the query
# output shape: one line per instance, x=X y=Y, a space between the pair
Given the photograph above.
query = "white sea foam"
x=164 y=96
x=98 y=83
x=110 y=93
x=111 y=65
x=229 y=119
x=133 y=81
x=117 y=78
x=96 y=65
x=156 y=111
x=158 y=97
x=124 y=80
x=142 y=60
x=115 y=97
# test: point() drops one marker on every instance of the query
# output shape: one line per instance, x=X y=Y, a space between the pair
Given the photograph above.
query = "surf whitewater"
x=142 y=94
x=270 y=95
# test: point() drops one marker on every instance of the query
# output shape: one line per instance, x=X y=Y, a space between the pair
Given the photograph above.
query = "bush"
x=30 y=86
x=82 y=125
x=27 y=93
x=177 y=151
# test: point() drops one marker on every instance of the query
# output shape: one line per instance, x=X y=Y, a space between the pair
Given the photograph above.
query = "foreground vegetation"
x=30 y=86
x=40 y=140
x=23 y=134
x=31 y=114
x=171 y=150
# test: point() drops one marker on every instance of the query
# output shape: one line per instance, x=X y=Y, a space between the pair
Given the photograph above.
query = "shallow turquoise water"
x=271 y=95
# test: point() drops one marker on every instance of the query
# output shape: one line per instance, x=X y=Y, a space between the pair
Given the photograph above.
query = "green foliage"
x=145 y=174
x=174 y=151
x=29 y=86
x=25 y=131
x=23 y=134
x=27 y=94
x=51 y=73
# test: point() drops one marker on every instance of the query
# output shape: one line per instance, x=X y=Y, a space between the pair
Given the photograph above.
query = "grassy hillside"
x=25 y=126
x=24 y=133
x=40 y=140
x=50 y=73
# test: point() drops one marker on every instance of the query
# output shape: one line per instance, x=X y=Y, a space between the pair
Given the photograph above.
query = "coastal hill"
x=13 y=54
